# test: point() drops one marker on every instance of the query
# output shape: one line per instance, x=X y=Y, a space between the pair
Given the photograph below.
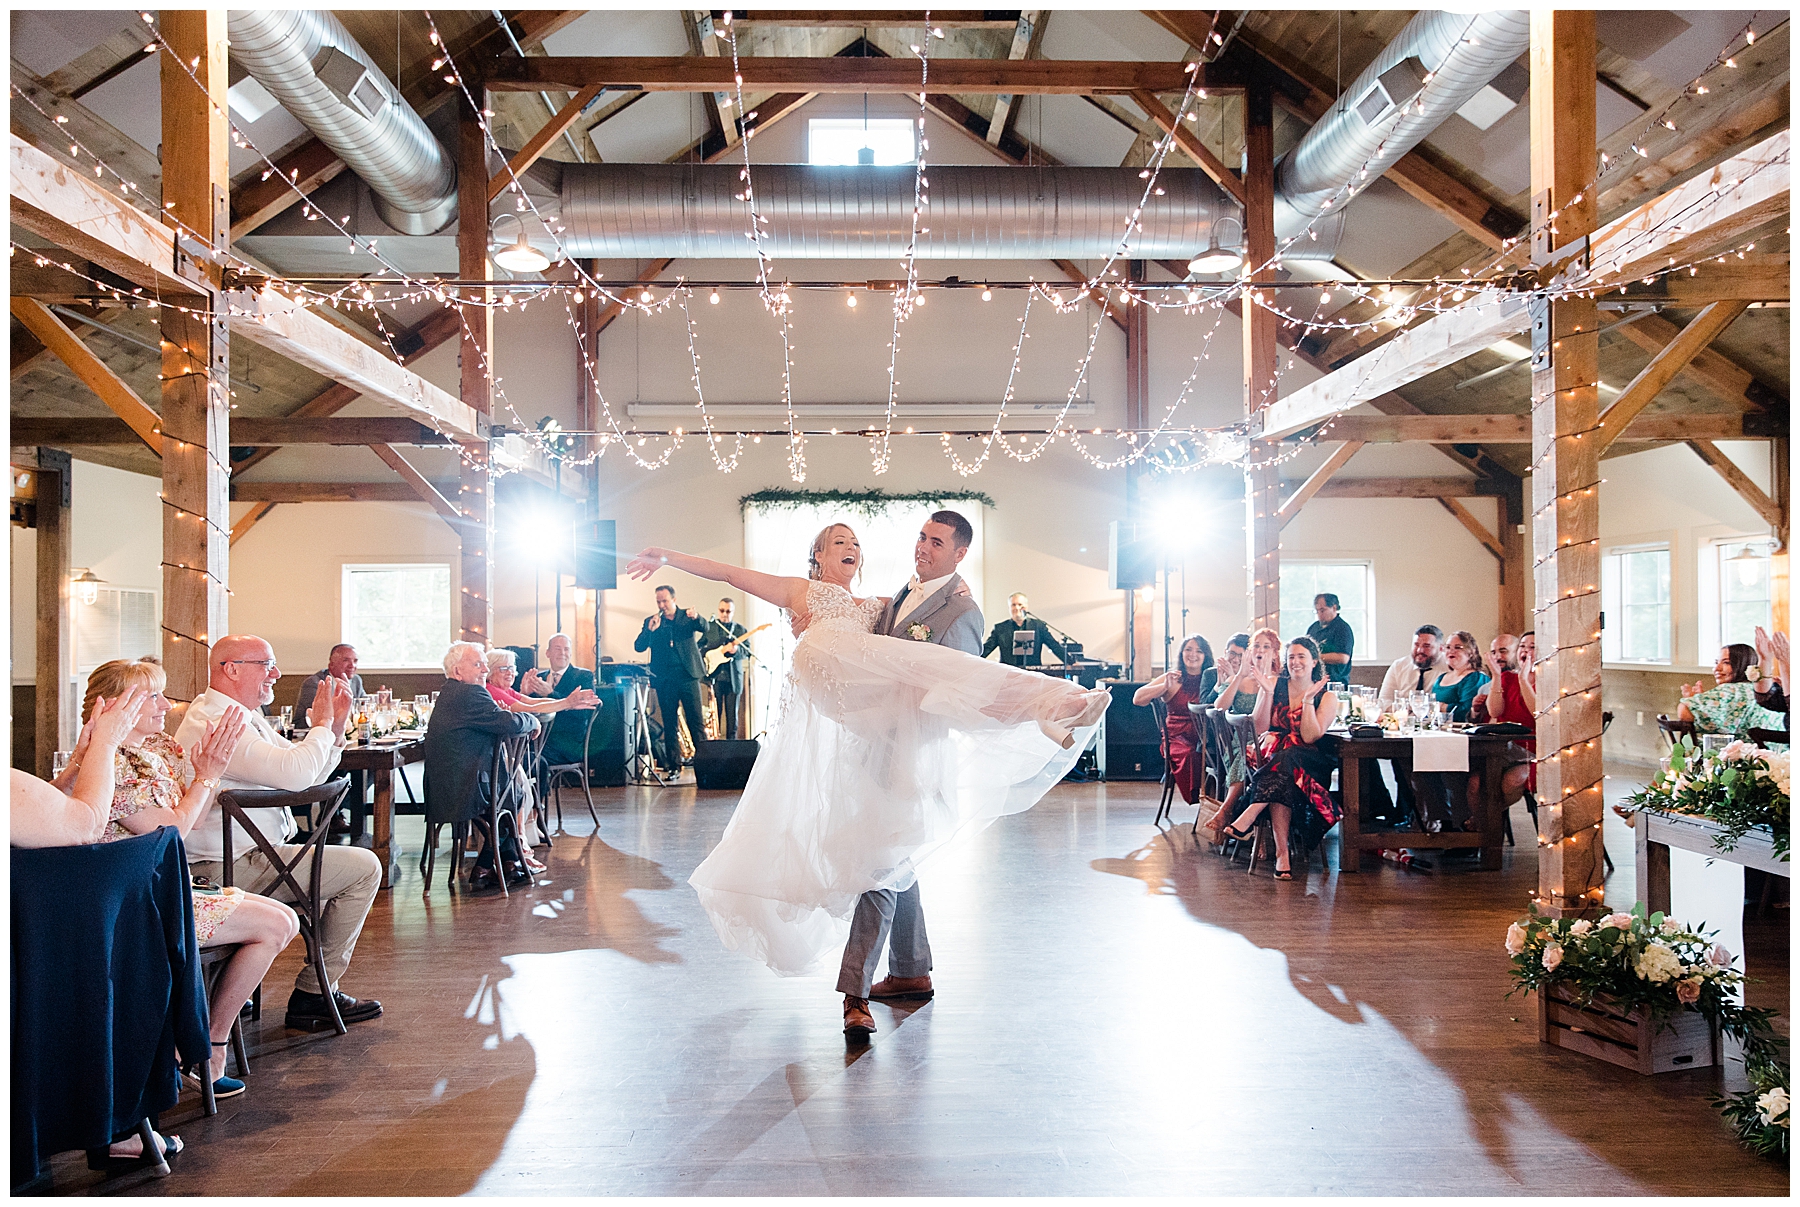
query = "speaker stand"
x=640 y=768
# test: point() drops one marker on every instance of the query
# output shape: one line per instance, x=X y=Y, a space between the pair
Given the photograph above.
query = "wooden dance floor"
x=1118 y=1013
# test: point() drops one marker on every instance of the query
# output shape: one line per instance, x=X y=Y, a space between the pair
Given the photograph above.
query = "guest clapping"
x=1444 y=796
x=1293 y=711
x=1772 y=659
x=459 y=750
x=1191 y=684
x=74 y=809
x=503 y=668
x=1504 y=702
x=159 y=784
x=1729 y=706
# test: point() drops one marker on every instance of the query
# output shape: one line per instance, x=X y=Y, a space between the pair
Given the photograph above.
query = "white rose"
x=1773 y=1106
x=1515 y=939
x=1581 y=926
x=1671 y=927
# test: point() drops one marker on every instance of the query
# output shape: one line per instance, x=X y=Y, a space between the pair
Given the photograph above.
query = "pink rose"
x=1515 y=939
x=1687 y=991
x=1552 y=957
x=1718 y=957
x=1617 y=921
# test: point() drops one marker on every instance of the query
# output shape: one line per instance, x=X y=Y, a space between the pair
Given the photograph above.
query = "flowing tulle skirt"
x=886 y=751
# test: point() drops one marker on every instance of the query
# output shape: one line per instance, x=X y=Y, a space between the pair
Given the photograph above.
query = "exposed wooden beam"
x=1405 y=488
x=1190 y=144
x=65 y=121
x=1757 y=277
x=248 y=520
x=874 y=18
x=1717 y=373
x=1663 y=367
x=301 y=171
x=702 y=36
x=420 y=485
x=1026 y=34
x=1476 y=528
x=1074 y=272
x=54 y=722
x=613 y=310
x=1516 y=429
x=540 y=142
x=142 y=421
x=1193 y=25
x=683 y=73
x=323 y=492
x=1316 y=481
x=1747 y=490
x=107 y=61
x=328 y=401
x=1261 y=346
x=246 y=432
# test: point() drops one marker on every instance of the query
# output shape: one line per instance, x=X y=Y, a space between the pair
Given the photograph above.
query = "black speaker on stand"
x=1133 y=744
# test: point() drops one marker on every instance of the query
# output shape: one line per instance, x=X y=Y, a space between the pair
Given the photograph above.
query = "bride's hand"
x=798 y=621
x=646 y=563
x=962 y=588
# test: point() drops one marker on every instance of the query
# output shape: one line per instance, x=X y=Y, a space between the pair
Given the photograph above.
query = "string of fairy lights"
x=1197 y=445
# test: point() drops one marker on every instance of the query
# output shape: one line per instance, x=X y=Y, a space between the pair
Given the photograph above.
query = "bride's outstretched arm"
x=783 y=592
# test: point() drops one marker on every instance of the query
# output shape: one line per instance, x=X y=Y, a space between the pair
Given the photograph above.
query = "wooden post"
x=1262 y=481
x=55 y=633
x=1135 y=321
x=196 y=386
x=1514 y=608
x=1565 y=527
x=476 y=500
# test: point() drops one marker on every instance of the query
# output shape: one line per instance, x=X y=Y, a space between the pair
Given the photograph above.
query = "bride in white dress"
x=886 y=749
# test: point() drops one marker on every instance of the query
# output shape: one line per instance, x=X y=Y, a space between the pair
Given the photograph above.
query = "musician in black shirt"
x=1022 y=639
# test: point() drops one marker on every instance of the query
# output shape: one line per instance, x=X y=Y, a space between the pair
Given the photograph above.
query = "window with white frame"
x=1634 y=595
x=1735 y=594
x=842 y=140
x=120 y=623
x=397 y=615
x=1353 y=582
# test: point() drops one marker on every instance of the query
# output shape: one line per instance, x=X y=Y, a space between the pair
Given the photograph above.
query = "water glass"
x=1440 y=715
x=384 y=699
x=1712 y=743
x=59 y=762
x=287 y=718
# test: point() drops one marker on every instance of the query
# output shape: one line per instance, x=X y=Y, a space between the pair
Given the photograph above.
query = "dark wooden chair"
x=307 y=899
x=552 y=775
x=1160 y=711
x=1238 y=732
x=212 y=966
x=1674 y=731
x=1213 y=769
x=1769 y=737
x=504 y=799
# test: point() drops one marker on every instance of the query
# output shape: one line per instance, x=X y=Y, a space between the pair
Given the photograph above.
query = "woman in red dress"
x=1292 y=773
x=1193 y=683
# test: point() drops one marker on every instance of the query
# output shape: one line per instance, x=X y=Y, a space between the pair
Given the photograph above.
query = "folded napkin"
x=1440 y=752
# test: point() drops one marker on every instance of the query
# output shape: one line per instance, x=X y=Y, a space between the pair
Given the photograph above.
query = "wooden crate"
x=1686 y=1040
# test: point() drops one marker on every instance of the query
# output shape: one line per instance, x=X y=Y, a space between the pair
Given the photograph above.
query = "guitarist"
x=728 y=637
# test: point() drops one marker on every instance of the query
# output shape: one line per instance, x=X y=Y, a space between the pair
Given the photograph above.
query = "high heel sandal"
x=1236 y=835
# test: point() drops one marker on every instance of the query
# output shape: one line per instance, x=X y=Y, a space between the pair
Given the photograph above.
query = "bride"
x=886 y=749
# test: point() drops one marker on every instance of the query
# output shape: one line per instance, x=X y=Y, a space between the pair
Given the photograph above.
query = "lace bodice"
x=831 y=607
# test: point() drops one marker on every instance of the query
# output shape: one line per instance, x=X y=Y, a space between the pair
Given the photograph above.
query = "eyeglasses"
x=263 y=662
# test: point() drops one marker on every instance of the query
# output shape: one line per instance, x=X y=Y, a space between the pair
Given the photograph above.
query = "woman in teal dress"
x=1729 y=706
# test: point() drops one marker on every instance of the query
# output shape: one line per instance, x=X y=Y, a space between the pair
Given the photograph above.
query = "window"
x=1634 y=595
x=120 y=623
x=842 y=140
x=398 y=616
x=1352 y=582
x=1735 y=593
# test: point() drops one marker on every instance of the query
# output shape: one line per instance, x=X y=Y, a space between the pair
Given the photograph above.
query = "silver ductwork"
x=640 y=211
x=1448 y=57
x=309 y=62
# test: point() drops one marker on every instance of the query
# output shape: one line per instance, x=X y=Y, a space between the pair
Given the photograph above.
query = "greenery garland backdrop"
x=867 y=503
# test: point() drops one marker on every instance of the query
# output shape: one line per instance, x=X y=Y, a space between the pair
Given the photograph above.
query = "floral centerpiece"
x=1739 y=788
x=1654 y=964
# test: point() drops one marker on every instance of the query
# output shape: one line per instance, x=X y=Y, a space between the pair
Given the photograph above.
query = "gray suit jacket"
x=954 y=620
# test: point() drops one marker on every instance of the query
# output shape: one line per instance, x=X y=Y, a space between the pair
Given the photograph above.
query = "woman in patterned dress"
x=158 y=784
x=1729 y=706
x=887 y=750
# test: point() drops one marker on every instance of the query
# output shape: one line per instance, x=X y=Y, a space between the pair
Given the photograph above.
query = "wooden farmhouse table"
x=379 y=763
x=1488 y=756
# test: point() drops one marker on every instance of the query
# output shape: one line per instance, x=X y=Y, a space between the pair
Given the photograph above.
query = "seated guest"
x=158 y=784
x=1293 y=711
x=559 y=682
x=1022 y=638
x=74 y=809
x=1772 y=658
x=342 y=666
x=503 y=668
x=1257 y=657
x=1414 y=672
x=1508 y=700
x=1196 y=678
x=1335 y=639
x=1730 y=705
x=1443 y=796
x=1231 y=661
x=465 y=724
x=242 y=680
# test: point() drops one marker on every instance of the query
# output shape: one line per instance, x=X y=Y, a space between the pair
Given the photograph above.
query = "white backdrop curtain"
x=777 y=539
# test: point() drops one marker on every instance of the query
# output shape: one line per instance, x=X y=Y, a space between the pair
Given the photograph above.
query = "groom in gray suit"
x=928 y=608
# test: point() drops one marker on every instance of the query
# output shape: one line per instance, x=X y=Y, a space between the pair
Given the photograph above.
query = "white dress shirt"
x=918 y=595
x=263 y=759
x=1403 y=676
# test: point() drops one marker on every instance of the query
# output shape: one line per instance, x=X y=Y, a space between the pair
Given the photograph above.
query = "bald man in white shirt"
x=242 y=676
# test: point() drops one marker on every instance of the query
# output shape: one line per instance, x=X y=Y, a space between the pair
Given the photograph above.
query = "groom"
x=926 y=609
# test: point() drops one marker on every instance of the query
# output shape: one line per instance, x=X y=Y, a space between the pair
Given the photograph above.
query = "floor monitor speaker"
x=724 y=766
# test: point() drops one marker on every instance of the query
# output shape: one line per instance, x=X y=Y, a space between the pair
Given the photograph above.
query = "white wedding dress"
x=886 y=750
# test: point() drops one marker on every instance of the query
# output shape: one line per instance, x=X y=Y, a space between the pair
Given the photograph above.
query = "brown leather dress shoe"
x=858 y=1025
x=902 y=989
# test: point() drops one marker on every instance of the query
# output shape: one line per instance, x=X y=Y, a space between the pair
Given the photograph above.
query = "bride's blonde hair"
x=813 y=569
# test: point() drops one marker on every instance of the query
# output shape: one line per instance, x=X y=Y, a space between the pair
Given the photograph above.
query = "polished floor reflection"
x=1118 y=1013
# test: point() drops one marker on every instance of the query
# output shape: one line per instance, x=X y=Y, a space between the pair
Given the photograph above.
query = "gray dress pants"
x=890 y=920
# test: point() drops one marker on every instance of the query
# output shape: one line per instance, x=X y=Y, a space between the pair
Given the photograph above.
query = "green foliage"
x=1739 y=788
x=868 y=503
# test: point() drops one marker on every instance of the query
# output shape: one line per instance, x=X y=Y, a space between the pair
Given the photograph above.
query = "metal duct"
x=1375 y=121
x=640 y=211
x=309 y=62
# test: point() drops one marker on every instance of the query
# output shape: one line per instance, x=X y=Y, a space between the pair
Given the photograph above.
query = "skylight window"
x=854 y=140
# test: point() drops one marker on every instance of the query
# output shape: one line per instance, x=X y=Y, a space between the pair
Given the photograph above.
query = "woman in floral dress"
x=157 y=784
x=1729 y=706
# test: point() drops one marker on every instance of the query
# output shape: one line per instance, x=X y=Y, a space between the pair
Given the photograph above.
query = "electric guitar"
x=716 y=657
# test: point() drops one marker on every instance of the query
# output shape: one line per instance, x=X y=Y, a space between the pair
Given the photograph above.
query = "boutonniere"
x=919 y=632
